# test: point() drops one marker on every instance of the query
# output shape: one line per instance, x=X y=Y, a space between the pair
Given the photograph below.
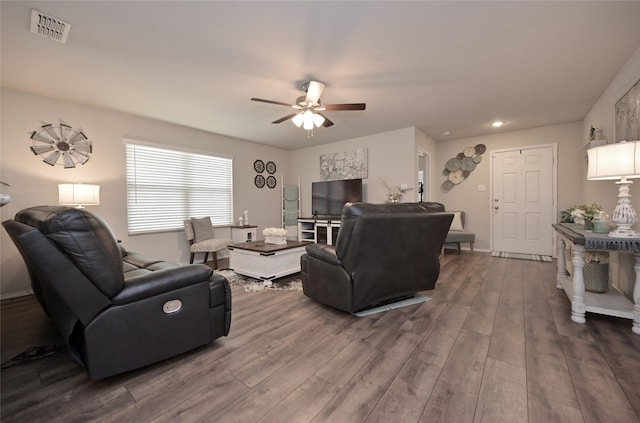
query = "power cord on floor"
x=35 y=353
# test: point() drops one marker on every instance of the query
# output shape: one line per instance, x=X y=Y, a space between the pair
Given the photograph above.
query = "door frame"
x=427 y=175
x=554 y=189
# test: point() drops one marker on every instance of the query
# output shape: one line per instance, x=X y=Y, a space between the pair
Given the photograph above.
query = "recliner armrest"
x=160 y=281
x=324 y=252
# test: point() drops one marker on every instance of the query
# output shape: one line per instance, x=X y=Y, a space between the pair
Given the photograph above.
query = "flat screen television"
x=328 y=197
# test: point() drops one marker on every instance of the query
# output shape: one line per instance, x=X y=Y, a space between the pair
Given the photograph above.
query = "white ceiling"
x=439 y=66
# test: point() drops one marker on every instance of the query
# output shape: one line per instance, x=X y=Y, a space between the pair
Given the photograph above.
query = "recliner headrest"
x=84 y=238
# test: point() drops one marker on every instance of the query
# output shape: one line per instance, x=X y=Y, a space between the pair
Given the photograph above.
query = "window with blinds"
x=164 y=187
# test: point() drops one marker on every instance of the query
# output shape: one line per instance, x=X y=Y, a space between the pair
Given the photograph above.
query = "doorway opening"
x=423 y=177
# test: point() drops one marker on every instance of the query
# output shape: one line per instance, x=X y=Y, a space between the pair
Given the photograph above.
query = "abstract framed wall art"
x=628 y=115
x=345 y=165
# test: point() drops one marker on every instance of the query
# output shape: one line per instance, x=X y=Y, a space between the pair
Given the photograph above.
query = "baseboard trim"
x=18 y=294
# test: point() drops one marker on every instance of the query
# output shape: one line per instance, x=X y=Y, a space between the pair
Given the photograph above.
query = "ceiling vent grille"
x=49 y=27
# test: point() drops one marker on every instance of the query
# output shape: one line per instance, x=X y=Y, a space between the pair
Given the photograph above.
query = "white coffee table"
x=266 y=261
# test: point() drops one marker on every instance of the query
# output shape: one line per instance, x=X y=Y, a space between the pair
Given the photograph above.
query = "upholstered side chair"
x=457 y=233
x=199 y=233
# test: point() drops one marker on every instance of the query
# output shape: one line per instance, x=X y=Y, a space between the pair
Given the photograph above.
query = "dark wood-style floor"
x=495 y=344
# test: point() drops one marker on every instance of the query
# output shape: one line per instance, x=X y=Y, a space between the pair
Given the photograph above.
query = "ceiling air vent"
x=49 y=27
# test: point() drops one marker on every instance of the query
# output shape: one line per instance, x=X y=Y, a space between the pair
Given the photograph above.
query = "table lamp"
x=618 y=161
x=78 y=195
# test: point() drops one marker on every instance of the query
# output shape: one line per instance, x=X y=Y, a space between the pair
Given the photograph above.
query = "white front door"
x=522 y=203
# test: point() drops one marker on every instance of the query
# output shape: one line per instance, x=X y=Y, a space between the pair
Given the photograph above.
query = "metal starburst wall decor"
x=61 y=144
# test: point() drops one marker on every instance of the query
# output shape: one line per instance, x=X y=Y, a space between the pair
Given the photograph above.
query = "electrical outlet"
x=404 y=186
x=482 y=187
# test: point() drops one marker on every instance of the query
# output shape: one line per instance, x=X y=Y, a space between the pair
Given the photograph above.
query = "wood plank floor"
x=495 y=344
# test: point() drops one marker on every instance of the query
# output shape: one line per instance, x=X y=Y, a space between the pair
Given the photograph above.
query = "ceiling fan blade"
x=350 y=106
x=271 y=102
x=283 y=119
x=327 y=123
x=314 y=91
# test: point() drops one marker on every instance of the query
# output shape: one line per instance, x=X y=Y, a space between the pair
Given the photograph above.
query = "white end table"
x=244 y=233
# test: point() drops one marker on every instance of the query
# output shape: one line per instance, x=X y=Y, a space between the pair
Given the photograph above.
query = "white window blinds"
x=164 y=187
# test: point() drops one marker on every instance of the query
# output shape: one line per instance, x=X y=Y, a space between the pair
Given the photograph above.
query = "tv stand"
x=321 y=230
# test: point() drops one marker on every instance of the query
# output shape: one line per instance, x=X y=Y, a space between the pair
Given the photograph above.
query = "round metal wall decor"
x=271 y=168
x=447 y=185
x=61 y=142
x=271 y=181
x=458 y=168
x=468 y=164
x=259 y=181
x=453 y=165
x=258 y=165
x=456 y=177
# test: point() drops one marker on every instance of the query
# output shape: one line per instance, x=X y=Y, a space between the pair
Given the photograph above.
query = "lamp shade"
x=308 y=120
x=298 y=119
x=614 y=161
x=78 y=195
x=318 y=120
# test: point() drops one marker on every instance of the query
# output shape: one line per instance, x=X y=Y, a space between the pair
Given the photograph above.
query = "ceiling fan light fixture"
x=310 y=108
x=298 y=120
x=308 y=120
x=318 y=120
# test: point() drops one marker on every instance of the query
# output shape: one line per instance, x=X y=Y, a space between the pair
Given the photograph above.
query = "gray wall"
x=35 y=183
x=392 y=157
x=602 y=115
x=477 y=204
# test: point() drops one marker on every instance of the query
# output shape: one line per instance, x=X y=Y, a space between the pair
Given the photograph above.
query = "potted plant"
x=580 y=215
x=394 y=192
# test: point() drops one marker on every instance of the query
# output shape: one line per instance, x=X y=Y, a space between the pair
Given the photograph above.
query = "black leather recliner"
x=116 y=311
x=383 y=252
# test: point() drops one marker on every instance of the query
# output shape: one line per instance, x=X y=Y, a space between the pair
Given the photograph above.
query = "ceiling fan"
x=309 y=107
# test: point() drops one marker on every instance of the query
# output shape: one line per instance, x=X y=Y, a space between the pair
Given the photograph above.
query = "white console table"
x=611 y=303
x=322 y=231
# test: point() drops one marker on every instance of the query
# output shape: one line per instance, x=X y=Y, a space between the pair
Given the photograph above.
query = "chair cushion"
x=456 y=224
x=209 y=245
x=202 y=228
x=454 y=236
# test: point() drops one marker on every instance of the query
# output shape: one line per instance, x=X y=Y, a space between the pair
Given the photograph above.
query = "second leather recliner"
x=383 y=252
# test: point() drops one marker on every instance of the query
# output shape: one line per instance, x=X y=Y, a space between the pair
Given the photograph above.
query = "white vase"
x=4 y=199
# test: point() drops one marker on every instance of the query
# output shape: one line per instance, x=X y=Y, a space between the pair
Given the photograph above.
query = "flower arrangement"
x=276 y=236
x=394 y=192
x=579 y=214
x=274 y=232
